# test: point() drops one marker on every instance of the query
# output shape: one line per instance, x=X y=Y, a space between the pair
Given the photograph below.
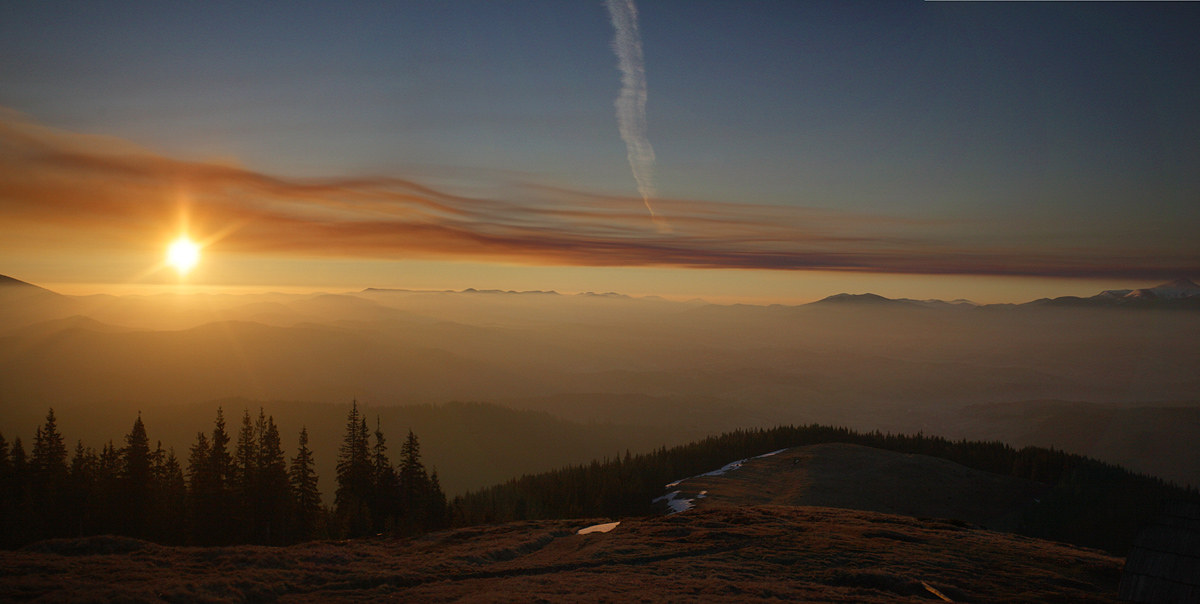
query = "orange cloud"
x=104 y=187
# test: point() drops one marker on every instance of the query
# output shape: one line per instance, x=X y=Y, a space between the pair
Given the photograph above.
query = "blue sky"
x=1039 y=126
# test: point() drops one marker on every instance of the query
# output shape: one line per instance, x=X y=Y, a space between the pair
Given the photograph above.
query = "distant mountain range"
x=1178 y=294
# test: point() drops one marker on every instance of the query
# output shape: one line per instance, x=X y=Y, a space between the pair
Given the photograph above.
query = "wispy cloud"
x=86 y=187
x=631 y=103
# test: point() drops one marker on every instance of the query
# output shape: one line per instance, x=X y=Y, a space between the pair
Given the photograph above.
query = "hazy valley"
x=614 y=372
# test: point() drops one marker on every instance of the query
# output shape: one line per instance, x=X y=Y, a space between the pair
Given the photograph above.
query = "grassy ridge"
x=1088 y=503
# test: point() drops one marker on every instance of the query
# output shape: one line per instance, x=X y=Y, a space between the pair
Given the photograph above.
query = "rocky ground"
x=749 y=554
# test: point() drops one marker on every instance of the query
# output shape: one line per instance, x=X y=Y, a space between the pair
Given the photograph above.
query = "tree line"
x=1086 y=502
x=227 y=491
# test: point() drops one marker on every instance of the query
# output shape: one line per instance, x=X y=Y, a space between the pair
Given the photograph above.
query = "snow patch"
x=682 y=504
x=676 y=503
x=598 y=528
x=733 y=465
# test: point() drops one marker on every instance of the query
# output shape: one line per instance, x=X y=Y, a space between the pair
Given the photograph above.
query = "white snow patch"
x=598 y=528
x=676 y=505
x=681 y=504
x=733 y=465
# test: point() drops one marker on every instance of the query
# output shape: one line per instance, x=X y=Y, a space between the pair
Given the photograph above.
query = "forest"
x=226 y=492
x=1087 y=502
x=244 y=491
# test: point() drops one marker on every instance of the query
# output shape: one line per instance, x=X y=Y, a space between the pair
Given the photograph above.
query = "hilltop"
x=766 y=553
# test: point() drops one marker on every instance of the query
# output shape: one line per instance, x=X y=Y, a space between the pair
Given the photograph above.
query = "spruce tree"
x=386 y=504
x=108 y=489
x=306 y=498
x=354 y=476
x=168 y=500
x=18 y=530
x=414 y=484
x=48 y=469
x=136 y=480
x=201 y=490
x=221 y=506
x=49 y=454
x=272 y=483
x=438 y=508
x=81 y=493
x=245 y=482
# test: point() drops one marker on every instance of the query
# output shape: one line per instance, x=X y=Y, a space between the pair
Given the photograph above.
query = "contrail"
x=631 y=103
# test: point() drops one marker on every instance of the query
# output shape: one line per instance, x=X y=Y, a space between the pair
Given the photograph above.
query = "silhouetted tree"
x=418 y=494
x=385 y=507
x=168 y=498
x=245 y=478
x=306 y=498
x=355 y=476
x=212 y=475
x=48 y=473
x=136 y=480
x=272 y=484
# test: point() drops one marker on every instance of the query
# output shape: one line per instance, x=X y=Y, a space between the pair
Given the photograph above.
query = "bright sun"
x=183 y=254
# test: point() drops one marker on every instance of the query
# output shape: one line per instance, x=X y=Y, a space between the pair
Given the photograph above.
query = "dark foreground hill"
x=796 y=554
x=842 y=475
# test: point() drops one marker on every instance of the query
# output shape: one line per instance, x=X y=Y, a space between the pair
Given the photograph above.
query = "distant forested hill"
x=1088 y=502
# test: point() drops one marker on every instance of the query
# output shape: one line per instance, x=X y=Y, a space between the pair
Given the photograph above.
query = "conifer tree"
x=306 y=498
x=202 y=488
x=414 y=484
x=81 y=493
x=221 y=472
x=386 y=504
x=49 y=454
x=219 y=459
x=108 y=489
x=136 y=480
x=198 y=464
x=272 y=482
x=17 y=529
x=354 y=476
x=245 y=482
x=438 y=508
x=168 y=498
x=48 y=473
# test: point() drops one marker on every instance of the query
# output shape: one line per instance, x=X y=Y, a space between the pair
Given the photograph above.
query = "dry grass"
x=803 y=554
x=854 y=477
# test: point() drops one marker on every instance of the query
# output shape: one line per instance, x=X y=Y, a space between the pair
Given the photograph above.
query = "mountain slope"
x=843 y=475
x=23 y=303
x=757 y=554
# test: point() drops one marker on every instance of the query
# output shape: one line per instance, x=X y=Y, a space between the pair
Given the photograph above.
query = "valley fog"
x=1115 y=383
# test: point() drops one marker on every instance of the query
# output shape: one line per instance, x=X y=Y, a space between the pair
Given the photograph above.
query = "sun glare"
x=183 y=254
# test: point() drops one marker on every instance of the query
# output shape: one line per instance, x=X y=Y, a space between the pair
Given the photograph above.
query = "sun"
x=183 y=254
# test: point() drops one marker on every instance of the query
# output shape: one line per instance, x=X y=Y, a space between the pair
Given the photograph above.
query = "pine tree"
x=49 y=454
x=245 y=482
x=48 y=469
x=221 y=471
x=354 y=476
x=108 y=489
x=306 y=498
x=385 y=507
x=414 y=485
x=17 y=529
x=438 y=508
x=219 y=459
x=136 y=480
x=81 y=493
x=272 y=483
x=168 y=498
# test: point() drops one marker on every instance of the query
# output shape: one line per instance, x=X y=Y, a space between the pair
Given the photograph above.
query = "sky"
x=995 y=151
